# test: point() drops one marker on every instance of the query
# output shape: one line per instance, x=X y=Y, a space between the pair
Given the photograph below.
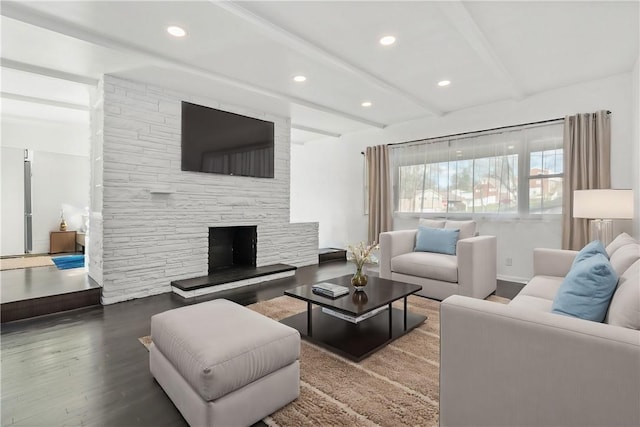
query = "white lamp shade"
x=603 y=204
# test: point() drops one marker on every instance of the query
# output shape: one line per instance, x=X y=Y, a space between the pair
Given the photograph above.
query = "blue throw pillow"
x=587 y=289
x=439 y=240
x=592 y=248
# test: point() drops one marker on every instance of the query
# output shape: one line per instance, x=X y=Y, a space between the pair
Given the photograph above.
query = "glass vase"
x=359 y=280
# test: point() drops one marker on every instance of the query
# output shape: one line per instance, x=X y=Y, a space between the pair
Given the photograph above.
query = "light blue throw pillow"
x=439 y=240
x=587 y=289
x=592 y=248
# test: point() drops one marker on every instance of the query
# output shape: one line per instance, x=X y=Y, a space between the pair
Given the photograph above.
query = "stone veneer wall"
x=156 y=218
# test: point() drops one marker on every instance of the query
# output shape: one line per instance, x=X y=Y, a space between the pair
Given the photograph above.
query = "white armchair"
x=470 y=272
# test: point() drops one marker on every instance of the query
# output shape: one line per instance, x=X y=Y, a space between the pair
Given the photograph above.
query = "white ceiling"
x=246 y=53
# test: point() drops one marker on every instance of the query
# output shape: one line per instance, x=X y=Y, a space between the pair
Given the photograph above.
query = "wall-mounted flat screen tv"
x=216 y=141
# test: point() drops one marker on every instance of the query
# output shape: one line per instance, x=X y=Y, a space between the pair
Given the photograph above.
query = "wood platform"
x=331 y=254
x=36 y=291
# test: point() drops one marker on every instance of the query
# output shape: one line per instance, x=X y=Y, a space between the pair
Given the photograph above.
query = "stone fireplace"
x=232 y=247
x=150 y=230
x=233 y=262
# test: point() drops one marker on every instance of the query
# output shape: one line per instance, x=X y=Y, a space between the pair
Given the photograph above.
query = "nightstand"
x=62 y=241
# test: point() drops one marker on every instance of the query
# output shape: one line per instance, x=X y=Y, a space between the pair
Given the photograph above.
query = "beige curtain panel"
x=379 y=191
x=587 y=166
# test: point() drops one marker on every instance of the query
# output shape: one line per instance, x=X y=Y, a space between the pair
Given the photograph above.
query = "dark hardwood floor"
x=87 y=367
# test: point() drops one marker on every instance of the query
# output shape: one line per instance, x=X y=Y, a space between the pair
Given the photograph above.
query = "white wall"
x=635 y=75
x=58 y=182
x=336 y=199
x=12 y=201
x=151 y=239
x=60 y=178
x=61 y=137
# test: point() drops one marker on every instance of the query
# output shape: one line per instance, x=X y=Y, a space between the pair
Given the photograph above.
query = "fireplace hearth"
x=232 y=263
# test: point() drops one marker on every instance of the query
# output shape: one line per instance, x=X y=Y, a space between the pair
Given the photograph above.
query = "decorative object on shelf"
x=360 y=255
x=601 y=207
x=63 y=223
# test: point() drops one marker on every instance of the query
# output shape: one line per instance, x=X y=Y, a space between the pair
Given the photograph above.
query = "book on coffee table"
x=329 y=289
x=353 y=319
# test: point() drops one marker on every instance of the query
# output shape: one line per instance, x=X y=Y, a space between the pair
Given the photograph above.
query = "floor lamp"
x=601 y=207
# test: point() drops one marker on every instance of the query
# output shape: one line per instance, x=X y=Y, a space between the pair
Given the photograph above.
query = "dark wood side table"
x=62 y=241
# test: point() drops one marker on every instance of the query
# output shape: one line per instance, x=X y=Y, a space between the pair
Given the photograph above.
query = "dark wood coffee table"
x=355 y=341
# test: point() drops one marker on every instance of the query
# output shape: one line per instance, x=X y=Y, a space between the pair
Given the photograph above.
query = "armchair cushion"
x=436 y=240
x=433 y=223
x=587 y=289
x=467 y=228
x=426 y=264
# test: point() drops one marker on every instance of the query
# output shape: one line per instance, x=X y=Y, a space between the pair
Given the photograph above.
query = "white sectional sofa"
x=519 y=364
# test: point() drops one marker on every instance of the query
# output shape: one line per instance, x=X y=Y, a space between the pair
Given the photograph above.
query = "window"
x=545 y=181
x=514 y=172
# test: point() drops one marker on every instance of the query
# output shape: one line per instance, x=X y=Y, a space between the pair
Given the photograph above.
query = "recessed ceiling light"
x=443 y=83
x=176 y=31
x=299 y=79
x=387 y=40
x=511 y=147
x=366 y=104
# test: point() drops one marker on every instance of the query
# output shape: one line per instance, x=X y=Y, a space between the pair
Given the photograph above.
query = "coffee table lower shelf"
x=354 y=341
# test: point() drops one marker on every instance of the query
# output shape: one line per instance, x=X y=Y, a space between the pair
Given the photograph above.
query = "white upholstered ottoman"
x=223 y=364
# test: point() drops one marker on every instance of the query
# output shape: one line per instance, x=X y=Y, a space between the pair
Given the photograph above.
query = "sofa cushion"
x=587 y=289
x=436 y=240
x=590 y=249
x=433 y=223
x=624 y=257
x=427 y=264
x=621 y=240
x=532 y=303
x=543 y=287
x=467 y=228
x=624 y=309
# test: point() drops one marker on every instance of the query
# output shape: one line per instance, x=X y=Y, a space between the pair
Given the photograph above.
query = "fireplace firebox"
x=232 y=247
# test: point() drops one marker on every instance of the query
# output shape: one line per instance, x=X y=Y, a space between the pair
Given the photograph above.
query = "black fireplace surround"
x=232 y=257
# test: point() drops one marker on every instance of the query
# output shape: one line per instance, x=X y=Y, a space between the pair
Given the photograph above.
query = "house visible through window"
x=513 y=172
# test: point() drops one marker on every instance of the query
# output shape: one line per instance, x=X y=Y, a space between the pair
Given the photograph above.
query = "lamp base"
x=602 y=229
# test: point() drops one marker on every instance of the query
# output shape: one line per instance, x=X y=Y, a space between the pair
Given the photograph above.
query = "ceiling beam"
x=316 y=52
x=461 y=19
x=20 y=12
x=315 y=130
x=44 y=101
x=48 y=72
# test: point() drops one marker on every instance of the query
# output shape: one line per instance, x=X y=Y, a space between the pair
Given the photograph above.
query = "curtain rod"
x=478 y=131
x=483 y=130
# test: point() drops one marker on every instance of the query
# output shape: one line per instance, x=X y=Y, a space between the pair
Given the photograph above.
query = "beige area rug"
x=25 y=262
x=398 y=385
